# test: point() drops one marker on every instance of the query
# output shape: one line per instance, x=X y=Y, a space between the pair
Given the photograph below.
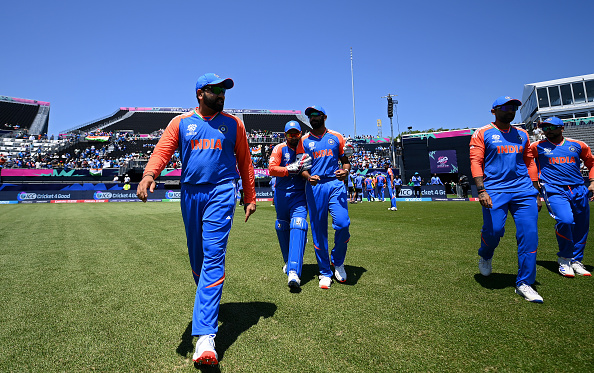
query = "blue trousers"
x=380 y=192
x=291 y=227
x=207 y=211
x=370 y=194
x=329 y=195
x=392 y=193
x=522 y=206
x=570 y=208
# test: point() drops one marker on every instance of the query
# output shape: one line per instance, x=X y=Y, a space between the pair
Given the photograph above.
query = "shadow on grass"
x=310 y=272
x=235 y=319
x=496 y=280
x=549 y=264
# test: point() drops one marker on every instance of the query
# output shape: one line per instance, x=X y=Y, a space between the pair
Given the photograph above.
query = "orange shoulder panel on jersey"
x=586 y=156
x=166 y=146
x=534 y=153
x=529 y=158
x=477 y=151
x=244 y=161
x=274 y=168
x=341 y=142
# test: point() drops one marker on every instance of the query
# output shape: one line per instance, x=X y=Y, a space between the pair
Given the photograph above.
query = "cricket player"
x=359 y=188
x=566 y=196
x=391 y=189
x=326 y=192
x=369 y=187
x=502 y=168
x=380 y=179
x=351 y=186
x=290 y=202
x=213 y=146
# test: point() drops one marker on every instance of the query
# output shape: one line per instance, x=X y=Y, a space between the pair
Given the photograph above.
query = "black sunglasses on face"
x=315 y=114
x=508 y=107
x=549 y=127
x=214 y=89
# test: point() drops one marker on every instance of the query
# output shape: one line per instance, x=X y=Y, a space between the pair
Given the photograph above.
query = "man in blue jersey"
x=213 y=146
x=391 y=190
x=272 y=184
x=351 y=186
x=416 y=182
x=397 y=185
x=435 y=180
x=506 y=180
x=566 y=196
x=369 y=186
x=326 y=192
x=290 y=202
x=381 y=186
x=359 y=188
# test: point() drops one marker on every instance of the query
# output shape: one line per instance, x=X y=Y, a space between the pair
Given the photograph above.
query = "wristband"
x=481 y=191
x=148 y=175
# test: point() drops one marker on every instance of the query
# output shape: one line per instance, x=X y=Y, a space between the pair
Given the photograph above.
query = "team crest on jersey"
x=223 y=128
x=192 y=129
x=496 y=138
x=331 y=142
x=520 y=138
x=573 y=149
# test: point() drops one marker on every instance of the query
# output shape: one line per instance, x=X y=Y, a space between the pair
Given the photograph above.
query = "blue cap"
x=292 y=125
x=314 y=108
x=416 y=173
x=506 y=100
x=554 y=121
x=213 y=79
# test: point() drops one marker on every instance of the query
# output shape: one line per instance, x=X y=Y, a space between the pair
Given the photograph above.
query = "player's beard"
x=217 y=103
x=316 y=122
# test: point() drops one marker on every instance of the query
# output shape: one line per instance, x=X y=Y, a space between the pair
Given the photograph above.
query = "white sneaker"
x=285 y=269
x=205 y=350
x=579 y=268
x=394 y=208
x=293 y=280
x=528 y=293
x=565 y=267
x=325 y=282
x=340 y=273
x=485 y=266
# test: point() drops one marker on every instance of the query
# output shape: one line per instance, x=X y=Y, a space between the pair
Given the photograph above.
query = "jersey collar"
x=499 y=129
x=559 y=144
x=206 y=119
x=318 y=137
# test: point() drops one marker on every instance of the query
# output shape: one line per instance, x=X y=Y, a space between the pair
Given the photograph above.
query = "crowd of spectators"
x=98 y=155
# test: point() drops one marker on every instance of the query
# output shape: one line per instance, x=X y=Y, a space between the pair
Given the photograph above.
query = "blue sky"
x=446 y=60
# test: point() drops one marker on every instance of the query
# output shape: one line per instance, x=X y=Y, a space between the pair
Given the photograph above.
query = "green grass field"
x=107 y=287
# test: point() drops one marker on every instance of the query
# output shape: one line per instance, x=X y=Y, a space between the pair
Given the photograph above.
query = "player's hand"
x=249 y=209
x=313 y=180
x=485 y=200
x=341 y=174
x=538 y=203
x=303 y=163
x=146 y=183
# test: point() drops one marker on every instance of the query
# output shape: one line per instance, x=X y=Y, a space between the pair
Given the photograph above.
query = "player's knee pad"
x=282 y=225
x=299 y=223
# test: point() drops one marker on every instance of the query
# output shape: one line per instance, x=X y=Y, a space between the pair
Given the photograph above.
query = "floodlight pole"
x=390 y=101
x=353 y=89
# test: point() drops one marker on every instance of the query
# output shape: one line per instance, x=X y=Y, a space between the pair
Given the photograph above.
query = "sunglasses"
x=293 y=135
x=316 y=114
x=215 y=89
x=508 y=107
x=549 y=127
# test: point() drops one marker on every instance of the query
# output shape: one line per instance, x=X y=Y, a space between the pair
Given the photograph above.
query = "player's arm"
x=274 y=167
x=246 y=170
x=162 y=153
x=477 y=162
x=586 y=156
x=312 y=179
x=342 y=173
x=528 y=156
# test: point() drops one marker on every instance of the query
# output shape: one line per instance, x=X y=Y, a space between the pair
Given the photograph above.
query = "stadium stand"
x=580 y=129
x=270 y=122
x=100 y=123
x=23 y=116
